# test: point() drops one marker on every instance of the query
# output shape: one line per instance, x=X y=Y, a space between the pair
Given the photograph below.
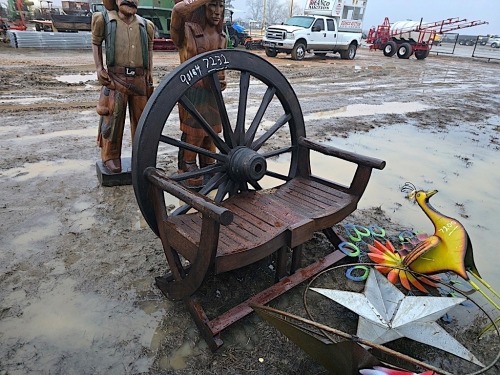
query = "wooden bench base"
x=211 y=329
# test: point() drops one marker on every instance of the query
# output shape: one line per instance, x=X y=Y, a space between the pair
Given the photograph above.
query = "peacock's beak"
x=430 y=193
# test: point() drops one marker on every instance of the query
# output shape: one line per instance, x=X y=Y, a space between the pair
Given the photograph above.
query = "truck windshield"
x=300 y=21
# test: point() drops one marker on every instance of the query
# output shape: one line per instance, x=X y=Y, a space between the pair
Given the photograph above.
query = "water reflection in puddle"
x=40 y=229
x=74 y=330
x=82 y=217
x=460 y=163
x=77 y=78
x=367 y=109
x=27 y=100
x=88 y=132
x=46 y=169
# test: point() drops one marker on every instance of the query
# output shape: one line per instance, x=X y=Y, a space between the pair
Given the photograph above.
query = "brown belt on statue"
x=127 y=71
x=128 y=86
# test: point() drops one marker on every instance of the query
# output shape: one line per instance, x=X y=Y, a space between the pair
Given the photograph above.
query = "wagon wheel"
x=242 y=147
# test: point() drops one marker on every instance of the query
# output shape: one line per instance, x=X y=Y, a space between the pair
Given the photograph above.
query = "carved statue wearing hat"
x=197 y=27
x=126 y=76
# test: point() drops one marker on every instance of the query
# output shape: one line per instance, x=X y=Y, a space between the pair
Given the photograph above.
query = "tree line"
x=276 y=11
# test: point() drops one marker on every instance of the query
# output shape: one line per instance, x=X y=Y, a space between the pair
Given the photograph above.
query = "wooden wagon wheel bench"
x=232 y=222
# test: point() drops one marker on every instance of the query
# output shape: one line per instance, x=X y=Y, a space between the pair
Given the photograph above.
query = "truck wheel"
x=271 y=52
x=421 y=54
x=405 y=51
x=390 y=49
x=495 y=45
x=298 y=51
x=234 y=40
x=349 y=53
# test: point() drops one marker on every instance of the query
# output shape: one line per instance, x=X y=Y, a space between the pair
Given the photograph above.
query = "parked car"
x=482 y=40
x=494 y=41
x=467 y=40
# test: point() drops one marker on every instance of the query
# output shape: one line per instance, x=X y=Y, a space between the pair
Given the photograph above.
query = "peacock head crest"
x=417 y=196
x=410 y=190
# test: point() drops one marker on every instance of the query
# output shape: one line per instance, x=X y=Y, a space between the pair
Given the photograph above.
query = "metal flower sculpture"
x=392 y=264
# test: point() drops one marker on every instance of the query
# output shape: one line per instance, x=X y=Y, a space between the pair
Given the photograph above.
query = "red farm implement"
x=406 y=38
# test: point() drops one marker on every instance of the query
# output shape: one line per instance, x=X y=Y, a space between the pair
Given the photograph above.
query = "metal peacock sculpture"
x=448 y=249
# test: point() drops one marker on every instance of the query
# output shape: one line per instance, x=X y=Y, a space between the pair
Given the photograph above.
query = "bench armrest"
x=342 y=154
x=199 y=202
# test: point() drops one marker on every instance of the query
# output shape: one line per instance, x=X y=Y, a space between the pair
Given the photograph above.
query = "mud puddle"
x=367 y=110
x=46 y=169
x=73 y=330
x=76 y=78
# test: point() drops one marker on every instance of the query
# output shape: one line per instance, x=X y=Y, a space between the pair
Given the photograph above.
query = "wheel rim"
x=242 y=147
x=352 y=53
x=388 y=48
x=300 y=52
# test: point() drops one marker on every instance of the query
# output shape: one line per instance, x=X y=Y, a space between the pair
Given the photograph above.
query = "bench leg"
x=332 y=237
x=169 y=276
x=296 y=258
x=281 y=258
x=213 y=341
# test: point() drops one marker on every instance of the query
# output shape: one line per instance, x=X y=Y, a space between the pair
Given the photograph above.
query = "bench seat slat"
x=319 y=190
x=268 y=219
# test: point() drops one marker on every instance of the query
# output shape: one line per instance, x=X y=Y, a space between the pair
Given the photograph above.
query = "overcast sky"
x=430 y=10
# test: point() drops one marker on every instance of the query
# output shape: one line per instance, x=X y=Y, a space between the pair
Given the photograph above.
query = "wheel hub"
x=246 y=164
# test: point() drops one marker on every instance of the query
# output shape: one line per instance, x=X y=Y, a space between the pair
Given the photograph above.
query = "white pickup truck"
x=326 y=26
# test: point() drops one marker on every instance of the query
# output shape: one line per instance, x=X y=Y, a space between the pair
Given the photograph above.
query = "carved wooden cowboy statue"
x=126 y=79
x=197 y=27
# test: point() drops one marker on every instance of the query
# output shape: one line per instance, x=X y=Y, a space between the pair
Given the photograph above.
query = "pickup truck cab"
x=331 y=27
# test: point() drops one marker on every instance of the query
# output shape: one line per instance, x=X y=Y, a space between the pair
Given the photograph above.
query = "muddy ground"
x=77 y=263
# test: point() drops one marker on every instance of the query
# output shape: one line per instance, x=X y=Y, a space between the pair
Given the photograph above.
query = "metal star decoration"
x=386 y=314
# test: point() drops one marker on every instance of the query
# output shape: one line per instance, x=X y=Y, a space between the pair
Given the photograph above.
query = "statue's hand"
x=103 y=77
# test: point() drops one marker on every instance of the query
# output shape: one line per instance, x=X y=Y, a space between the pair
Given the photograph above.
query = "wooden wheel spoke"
x=181 y=210
x=268 y=134
x=255 y=185
x=226 y=124
x=224 y=188
x=190 y=147
x=243 y=186
x=234 y=187
x=266 y=100
x=239 y=130
x=189 y=106
x=279 y=176
x=197 y=173
x=279 y=151
x=213 y=183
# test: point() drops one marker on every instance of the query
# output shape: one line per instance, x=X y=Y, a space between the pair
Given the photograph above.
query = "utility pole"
x=291 y=8
x=264 y=17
